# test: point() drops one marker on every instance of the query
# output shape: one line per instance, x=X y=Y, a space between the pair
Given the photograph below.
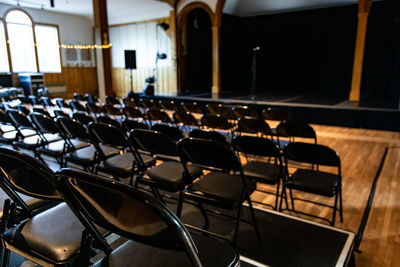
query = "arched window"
x=21 y=41
x=33 y=47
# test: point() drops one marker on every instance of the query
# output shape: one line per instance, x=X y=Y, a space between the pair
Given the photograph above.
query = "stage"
x=378 y=113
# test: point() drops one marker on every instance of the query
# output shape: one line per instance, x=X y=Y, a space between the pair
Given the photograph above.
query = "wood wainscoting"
x=121 y=80
x=76 y=79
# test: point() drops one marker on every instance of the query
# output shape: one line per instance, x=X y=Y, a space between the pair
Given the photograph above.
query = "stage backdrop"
x=142 y=38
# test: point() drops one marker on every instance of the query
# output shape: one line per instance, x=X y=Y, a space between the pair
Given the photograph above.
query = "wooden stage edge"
x=345 y=114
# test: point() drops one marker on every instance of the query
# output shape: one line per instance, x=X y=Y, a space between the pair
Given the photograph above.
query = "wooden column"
x=172 y=27
x=216 y=76
x=363 y=12
x=103 y=56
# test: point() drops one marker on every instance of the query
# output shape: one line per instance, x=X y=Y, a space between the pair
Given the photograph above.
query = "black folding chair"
x=108 y=120
x=225 y=186
x=53 y=237
x=243 y=111
x=156 y=236
x=185 y=119
x=82 y=117
x=88 y=156
x=169 y=175
x=192 y=107
x=251 y=125
x=264 y=163
x=129 y=163
x=292 y=129
x=313 y=180
x=77 y=106
x=158 y=116
x=168 y=105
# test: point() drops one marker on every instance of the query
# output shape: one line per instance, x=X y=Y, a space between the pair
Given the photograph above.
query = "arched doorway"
x=195 y=52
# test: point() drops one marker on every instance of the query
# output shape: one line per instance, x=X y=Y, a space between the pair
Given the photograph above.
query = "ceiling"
x=122 y=11
x=244 y=8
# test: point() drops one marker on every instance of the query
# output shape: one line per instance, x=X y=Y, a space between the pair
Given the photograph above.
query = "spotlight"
x=51 y=3
x=164 y=26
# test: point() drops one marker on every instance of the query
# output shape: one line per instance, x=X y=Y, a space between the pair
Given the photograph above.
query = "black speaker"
x=130 y=59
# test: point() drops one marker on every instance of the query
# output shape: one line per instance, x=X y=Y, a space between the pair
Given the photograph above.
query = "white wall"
x=211 y=3
x=142 y=38
x=73 y=29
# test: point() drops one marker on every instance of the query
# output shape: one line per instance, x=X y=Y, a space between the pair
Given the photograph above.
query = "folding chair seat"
x=168 y=175
x=225 y=186
x=128 y=164
x=82 y=117
x=49 y=238
x=258 y=152
x=313 y=179
x=171 y=131
x=192 y=107
x=87 y=156
x=164 y=241
x=209 y=135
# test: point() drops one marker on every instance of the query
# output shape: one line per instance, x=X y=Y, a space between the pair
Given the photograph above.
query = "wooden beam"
x=363 y=12
x=103 y=56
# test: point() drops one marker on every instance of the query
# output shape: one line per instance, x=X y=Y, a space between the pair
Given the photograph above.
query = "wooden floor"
x=361 y=151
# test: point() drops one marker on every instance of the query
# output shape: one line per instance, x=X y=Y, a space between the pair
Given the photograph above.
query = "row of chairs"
x=77 y=212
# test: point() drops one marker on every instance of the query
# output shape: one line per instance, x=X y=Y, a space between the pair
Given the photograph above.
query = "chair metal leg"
x=203 y=212
x=86 y=244
x=235 y=236
x=334 y=210
x=340 y=204
x=253 y=217
x=291 y=198
x=277 y=196
x=180 y=204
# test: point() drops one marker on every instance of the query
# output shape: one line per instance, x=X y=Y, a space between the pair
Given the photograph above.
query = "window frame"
x=34 y=38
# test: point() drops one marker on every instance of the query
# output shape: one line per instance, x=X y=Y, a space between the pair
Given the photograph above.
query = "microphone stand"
x=254 y=72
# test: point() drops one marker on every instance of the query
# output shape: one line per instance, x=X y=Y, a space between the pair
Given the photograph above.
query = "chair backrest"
x=154 y=142
x=216 y=122
x=60 y=113
x=148 y=103
x=207 y=134
x=275 y=114
x=4 y=119
x=78 y=97
x=111 y=110
x=208 y=154
x=124 y=210
x=172 y=132
x=129 y=102
x=243 y=111
x=129 y=125
x=72 y=128
x=19 y=119
x=94 y=108
x=108 y=120
x=24 y=174
x=296 y=129
x=44 y=123
x=158 y=115
x=256 y=146
x=46 y=101
x=217 y=109
x=34 y=100
x=77 y=106
x=110 y=100
x=23 y=109
x=132 y=112
x=107 y=134
x=185 y=118
x=61 y=103
x=253 y=125
x=192 y=107
x=83 y=118
x=312 y=154
x=90 y=98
